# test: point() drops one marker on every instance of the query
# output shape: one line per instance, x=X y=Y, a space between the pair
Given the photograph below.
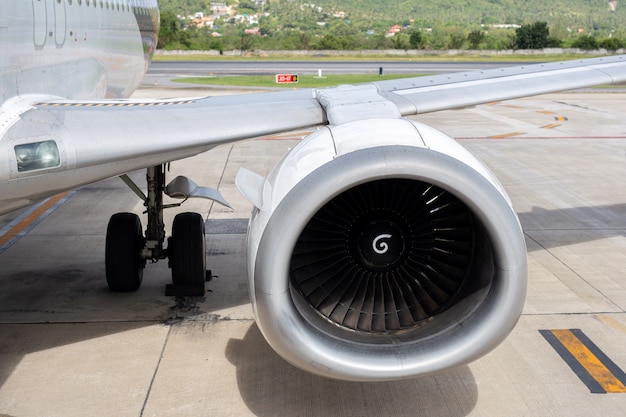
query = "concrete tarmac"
x=69 y=347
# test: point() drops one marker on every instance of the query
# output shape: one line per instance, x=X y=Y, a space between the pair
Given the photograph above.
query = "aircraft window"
x=39 y=155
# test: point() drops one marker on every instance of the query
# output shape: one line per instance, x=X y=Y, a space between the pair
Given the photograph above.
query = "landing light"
x=39 y=155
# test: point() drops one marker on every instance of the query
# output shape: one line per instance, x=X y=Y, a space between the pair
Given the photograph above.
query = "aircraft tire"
x=124 y=240
x=187 y=250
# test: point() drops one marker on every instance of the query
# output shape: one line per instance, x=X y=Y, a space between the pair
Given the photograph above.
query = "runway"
x=69 y=347
x=161 y=72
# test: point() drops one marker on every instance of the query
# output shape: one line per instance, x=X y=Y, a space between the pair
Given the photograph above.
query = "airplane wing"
x=429 y=94
x=94 y=140
x=126 y=135
x=134 y=134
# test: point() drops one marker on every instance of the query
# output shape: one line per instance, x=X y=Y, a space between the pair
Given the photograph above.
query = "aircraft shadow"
x=562 y=227
x=270 y=386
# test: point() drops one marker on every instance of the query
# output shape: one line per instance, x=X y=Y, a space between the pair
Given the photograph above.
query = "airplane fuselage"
x=66 y=49
x=75 y=49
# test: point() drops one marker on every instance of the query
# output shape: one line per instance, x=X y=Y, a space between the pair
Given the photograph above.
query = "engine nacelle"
x=381 y=250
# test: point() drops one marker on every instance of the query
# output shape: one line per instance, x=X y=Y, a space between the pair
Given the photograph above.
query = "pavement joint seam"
x=606 y=299
x=156 y=371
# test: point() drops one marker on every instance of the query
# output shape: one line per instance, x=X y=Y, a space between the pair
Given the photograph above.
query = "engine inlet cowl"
x=382 y=250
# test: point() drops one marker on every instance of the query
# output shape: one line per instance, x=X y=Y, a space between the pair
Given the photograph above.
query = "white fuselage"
x=70 y=50
x=75 y=49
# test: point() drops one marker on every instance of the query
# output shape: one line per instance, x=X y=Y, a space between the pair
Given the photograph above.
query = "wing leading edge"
x=443 y=92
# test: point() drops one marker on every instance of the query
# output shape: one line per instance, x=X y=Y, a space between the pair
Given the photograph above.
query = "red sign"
x=286 y=78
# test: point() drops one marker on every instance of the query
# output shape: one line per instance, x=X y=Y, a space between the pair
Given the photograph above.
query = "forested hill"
x=571 y=14
x=398 y=24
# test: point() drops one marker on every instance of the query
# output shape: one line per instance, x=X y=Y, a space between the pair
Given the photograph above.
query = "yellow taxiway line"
x=591 y=365
x=30 y=218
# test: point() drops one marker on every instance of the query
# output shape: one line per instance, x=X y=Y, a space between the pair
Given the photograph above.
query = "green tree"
x=328 y=42
x=586 y=42
x=475 y=38
x=305 y=40
x=534 y=36
x=244 y=42
x=416 y=40
x=499 y=39
x=456 y=40
x=611 y=44
x=169 y=30
x=400 y=41
x=246 y=7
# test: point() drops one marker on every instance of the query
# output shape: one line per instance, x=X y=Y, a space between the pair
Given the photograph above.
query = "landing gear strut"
x=127 y=250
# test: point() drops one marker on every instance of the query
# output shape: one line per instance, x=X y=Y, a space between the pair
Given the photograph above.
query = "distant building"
x=393 y=30
x=504 y=26
x=221 y=9
x=205 y=21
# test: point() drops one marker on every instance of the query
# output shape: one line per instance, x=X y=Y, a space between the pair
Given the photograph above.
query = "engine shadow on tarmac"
x=267 y=383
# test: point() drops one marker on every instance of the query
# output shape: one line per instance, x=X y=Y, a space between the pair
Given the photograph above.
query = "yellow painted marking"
x=550 y=126
x=561 y=118
x=590 y=362
x=18 y=228
x=506 y=135
x=613 y=323
x=545 y=112
x=165 y=103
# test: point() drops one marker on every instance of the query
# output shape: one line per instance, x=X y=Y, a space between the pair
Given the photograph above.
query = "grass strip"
x=304 y=81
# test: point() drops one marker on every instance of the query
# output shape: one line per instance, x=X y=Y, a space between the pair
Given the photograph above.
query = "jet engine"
x=380 y=250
